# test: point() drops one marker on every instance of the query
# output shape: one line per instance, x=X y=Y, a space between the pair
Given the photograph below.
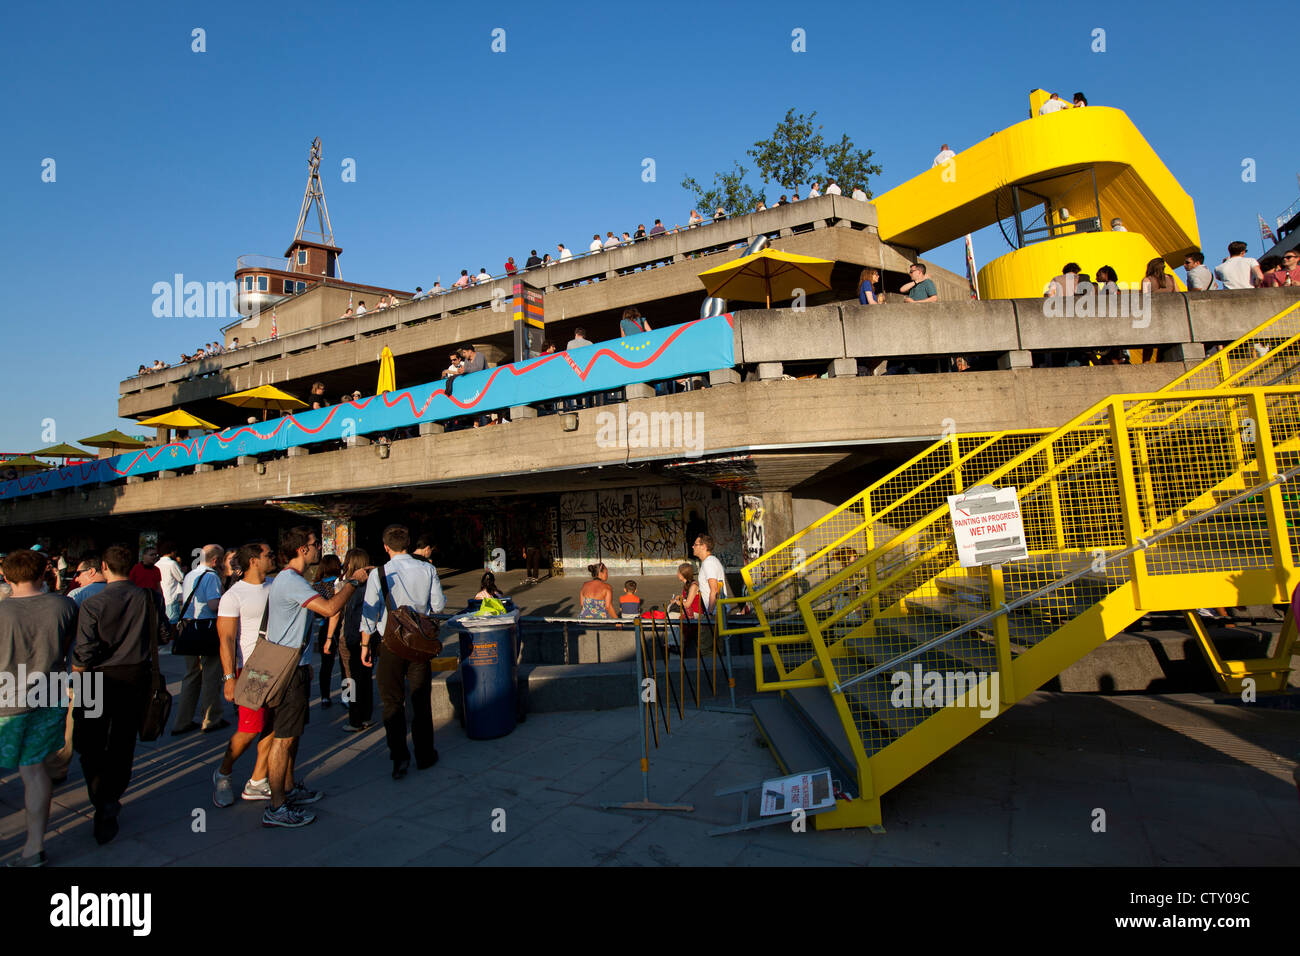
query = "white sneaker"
x=223 y=794
x=257 y=791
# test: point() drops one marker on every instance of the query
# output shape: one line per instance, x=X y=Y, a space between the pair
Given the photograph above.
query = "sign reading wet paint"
x=986 y=522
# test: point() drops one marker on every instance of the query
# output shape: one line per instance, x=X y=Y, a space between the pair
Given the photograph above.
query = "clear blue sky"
x=174 y=161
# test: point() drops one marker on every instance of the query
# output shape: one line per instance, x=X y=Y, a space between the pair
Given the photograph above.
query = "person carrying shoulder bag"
x=197 y=640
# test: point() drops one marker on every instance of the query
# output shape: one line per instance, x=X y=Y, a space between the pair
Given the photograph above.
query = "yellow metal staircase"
x=892 y=653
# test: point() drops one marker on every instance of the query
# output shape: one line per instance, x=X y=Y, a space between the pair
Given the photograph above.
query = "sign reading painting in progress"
x=986 y=522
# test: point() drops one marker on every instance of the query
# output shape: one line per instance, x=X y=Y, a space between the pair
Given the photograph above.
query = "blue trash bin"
x=489 y=671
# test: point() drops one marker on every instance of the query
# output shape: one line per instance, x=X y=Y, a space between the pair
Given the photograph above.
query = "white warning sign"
x=987 y=525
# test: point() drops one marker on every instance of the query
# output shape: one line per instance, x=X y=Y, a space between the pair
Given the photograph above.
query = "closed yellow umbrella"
x=767 y=275
x=387 y=372
x=265 y=397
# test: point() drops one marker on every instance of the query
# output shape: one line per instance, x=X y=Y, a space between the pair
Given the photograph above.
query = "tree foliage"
x=795 y=154
x=729 y=190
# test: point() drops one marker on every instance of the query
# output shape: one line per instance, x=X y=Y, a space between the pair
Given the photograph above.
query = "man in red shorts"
x=241 y=616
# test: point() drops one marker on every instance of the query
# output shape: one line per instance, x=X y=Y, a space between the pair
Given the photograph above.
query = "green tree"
x=849 y=167
x=729 y=190
x=795 y=154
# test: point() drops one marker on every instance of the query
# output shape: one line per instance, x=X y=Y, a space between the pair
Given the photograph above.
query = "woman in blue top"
x=867 y=287
x=596 y=596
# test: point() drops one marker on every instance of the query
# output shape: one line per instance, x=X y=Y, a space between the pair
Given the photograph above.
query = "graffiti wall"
x=647 y=530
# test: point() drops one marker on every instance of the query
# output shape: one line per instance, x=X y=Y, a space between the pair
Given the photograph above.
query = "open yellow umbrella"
x=265 y=397
x=177 y=418
x=24 y=464
x=387 y=372
x=112 y=439
x=64 y=450
x=767 y=275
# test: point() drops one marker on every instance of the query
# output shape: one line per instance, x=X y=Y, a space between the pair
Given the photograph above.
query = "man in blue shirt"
x=291 y=604
x=415 y=584
x=201 y=593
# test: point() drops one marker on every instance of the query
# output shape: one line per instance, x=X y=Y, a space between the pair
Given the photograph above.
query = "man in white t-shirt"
x=1053 y=104
x=859 y=195
x=596 y=245
x=713 y=585
x=565 y=254
x=1238 y=271
x=201 y=687
x=945 y=154
x=832 y=189
x=173 y=579
x=239 y=621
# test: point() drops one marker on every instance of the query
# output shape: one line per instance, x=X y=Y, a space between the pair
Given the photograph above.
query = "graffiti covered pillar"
x=337 y=536
x=776 y=522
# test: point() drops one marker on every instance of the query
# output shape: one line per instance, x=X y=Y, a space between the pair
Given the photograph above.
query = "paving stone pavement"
x=1182 y=780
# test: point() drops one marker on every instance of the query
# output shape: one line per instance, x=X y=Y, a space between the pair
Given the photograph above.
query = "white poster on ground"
x=809 y=792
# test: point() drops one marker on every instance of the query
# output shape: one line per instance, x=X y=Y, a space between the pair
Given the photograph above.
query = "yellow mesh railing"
x=874 y=523
x=1127 y=468
x=777 y=579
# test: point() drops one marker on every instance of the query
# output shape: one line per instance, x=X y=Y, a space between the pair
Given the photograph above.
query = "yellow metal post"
x=1002 y=634
x=1126 y=484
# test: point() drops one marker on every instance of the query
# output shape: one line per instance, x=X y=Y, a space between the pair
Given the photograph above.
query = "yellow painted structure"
x=878 y=577
x=1055 y=156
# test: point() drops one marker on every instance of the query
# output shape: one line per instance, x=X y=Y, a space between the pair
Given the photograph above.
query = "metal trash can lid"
x=467 y=621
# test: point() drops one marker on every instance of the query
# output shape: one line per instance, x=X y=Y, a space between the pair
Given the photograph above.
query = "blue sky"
x=174 y=161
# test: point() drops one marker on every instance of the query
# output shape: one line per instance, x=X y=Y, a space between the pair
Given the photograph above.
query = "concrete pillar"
x=166 y=474
x=843 y=368
x=431 y=428
x=135 y=479
x=297 y=451
x=1184 y=352
x=203 y=467
x=357 y=441
x=778 y=518
x=337 y=535
x=770 y=371
x=724 y=376
x=519 y=412
x=246 y=460
x=638 y=390
x=1017 y=358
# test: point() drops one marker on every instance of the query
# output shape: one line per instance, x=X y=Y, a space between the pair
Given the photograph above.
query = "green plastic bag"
x=490 y=607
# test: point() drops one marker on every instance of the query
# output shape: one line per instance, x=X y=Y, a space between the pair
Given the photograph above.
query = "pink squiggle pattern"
x=196 y=447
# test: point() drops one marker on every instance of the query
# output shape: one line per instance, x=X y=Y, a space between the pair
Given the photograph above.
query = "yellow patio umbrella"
x=112 y=439
x=767 y=275
x=177 y=418
x=64 y=450
x=24 y=464
x=265 y=397
x=387 y=372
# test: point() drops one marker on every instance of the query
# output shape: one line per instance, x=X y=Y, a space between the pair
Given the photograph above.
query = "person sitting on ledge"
x=596 y=596
x=920 y=289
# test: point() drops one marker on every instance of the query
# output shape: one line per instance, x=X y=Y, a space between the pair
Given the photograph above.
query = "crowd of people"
x=613 y=240
x=1236 y=271
x=108 y=618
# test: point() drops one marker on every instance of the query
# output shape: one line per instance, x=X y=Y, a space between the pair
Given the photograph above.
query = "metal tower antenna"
x=315 y=195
